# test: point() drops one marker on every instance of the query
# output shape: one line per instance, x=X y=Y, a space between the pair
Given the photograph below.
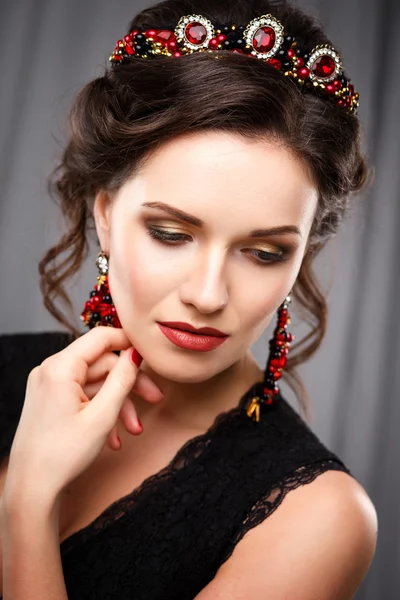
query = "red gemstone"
x=221 y=37
x=269 y=400
x=300 y=62
x=277 y=375
x=88 y=306
x=196 y=33
x=264 y=39
x=164 y=35
x=213 y=43
x=129 y=49
x=172 y=46
x=291 y=53
x=275 y=63
x=330 y=89
x=150 y=33
x=324 y=66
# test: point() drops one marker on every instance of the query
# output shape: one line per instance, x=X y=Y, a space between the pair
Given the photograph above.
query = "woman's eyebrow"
x=183 y=216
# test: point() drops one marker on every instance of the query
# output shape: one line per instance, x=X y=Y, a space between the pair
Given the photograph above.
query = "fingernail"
x=136 y=358
x=119 y=441
x=140 y=423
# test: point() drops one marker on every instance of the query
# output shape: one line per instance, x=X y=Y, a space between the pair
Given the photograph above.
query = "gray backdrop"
x=48 y=50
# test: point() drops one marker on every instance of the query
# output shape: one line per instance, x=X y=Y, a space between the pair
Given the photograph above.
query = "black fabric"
x=168 y=537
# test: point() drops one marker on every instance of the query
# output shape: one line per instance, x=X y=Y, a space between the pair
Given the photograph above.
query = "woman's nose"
x=206 y=286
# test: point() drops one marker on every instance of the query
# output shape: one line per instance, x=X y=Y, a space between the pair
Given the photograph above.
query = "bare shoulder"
x=319 y=543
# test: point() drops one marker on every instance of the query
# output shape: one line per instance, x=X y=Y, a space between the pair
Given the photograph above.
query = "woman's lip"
x=191 y=341
x=210 y=331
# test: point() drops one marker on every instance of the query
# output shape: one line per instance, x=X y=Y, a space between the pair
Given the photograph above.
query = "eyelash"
x=165 y=237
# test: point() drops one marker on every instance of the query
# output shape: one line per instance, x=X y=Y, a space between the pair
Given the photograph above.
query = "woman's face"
x=217 y=274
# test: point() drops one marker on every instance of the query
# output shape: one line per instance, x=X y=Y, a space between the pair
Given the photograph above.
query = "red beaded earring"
x=99 y=309
x=279 y=348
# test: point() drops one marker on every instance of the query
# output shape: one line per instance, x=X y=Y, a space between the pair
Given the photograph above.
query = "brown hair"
x=117 y=120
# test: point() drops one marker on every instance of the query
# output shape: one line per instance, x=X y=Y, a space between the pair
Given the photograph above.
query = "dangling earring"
x=99 y=309
x=279 y=348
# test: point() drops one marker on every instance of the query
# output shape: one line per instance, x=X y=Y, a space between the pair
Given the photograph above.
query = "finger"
x=73 y=362
x=144 y=386
x=91 y=389
x=107 y=403
x=113 y=441
x=129 y=418
x=101 y=368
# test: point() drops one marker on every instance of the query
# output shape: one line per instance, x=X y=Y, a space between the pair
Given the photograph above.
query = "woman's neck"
x=197 y=404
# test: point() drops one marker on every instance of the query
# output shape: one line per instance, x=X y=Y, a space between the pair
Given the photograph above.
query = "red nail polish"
x=136 y=357
x=140 y=423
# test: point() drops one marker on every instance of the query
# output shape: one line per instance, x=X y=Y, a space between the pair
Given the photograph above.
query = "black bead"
x=107 y=299
x=281 y=54
x=95 y=316
x=93 y=293
x=226 y=45
x=240 y=28
x=305 y=56
x=139 y=37
x=108 y=318
x=138 y=48
x=240 y=43
x=288 y=40
x=287 y=65
x=226 y=29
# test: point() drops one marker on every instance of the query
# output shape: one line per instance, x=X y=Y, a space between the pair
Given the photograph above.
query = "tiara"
x=319 y=71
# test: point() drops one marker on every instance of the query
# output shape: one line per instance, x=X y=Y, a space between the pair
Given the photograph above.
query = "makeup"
x=191 y=341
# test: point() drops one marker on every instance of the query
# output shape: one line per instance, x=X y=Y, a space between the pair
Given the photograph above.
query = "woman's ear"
x=102 y=215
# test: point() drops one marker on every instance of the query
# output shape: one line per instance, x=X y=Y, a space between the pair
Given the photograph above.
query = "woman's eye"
x=263 y=257
x=165 y=236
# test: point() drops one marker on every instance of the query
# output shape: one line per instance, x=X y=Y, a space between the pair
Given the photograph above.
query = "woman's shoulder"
x=19 y=353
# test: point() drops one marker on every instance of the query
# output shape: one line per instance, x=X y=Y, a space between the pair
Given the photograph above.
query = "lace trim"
x=189 y=452
x=273 y=498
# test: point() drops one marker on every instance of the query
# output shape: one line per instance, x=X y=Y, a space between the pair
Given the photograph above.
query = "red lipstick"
x=187 y=327
x=192 y=341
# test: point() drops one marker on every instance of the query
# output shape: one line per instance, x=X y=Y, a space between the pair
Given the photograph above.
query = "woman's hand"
x=144 y=387
x=62 y=429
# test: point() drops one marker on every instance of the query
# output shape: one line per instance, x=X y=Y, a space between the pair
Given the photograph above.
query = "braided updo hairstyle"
x=118 y=119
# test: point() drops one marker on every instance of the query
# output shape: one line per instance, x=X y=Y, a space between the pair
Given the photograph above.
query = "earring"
x=279 y=348
x=99 y=309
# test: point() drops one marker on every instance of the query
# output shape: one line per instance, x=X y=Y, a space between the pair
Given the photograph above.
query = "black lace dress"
x=168 y=537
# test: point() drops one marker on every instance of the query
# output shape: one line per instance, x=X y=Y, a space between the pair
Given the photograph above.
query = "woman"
x=212 y=185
